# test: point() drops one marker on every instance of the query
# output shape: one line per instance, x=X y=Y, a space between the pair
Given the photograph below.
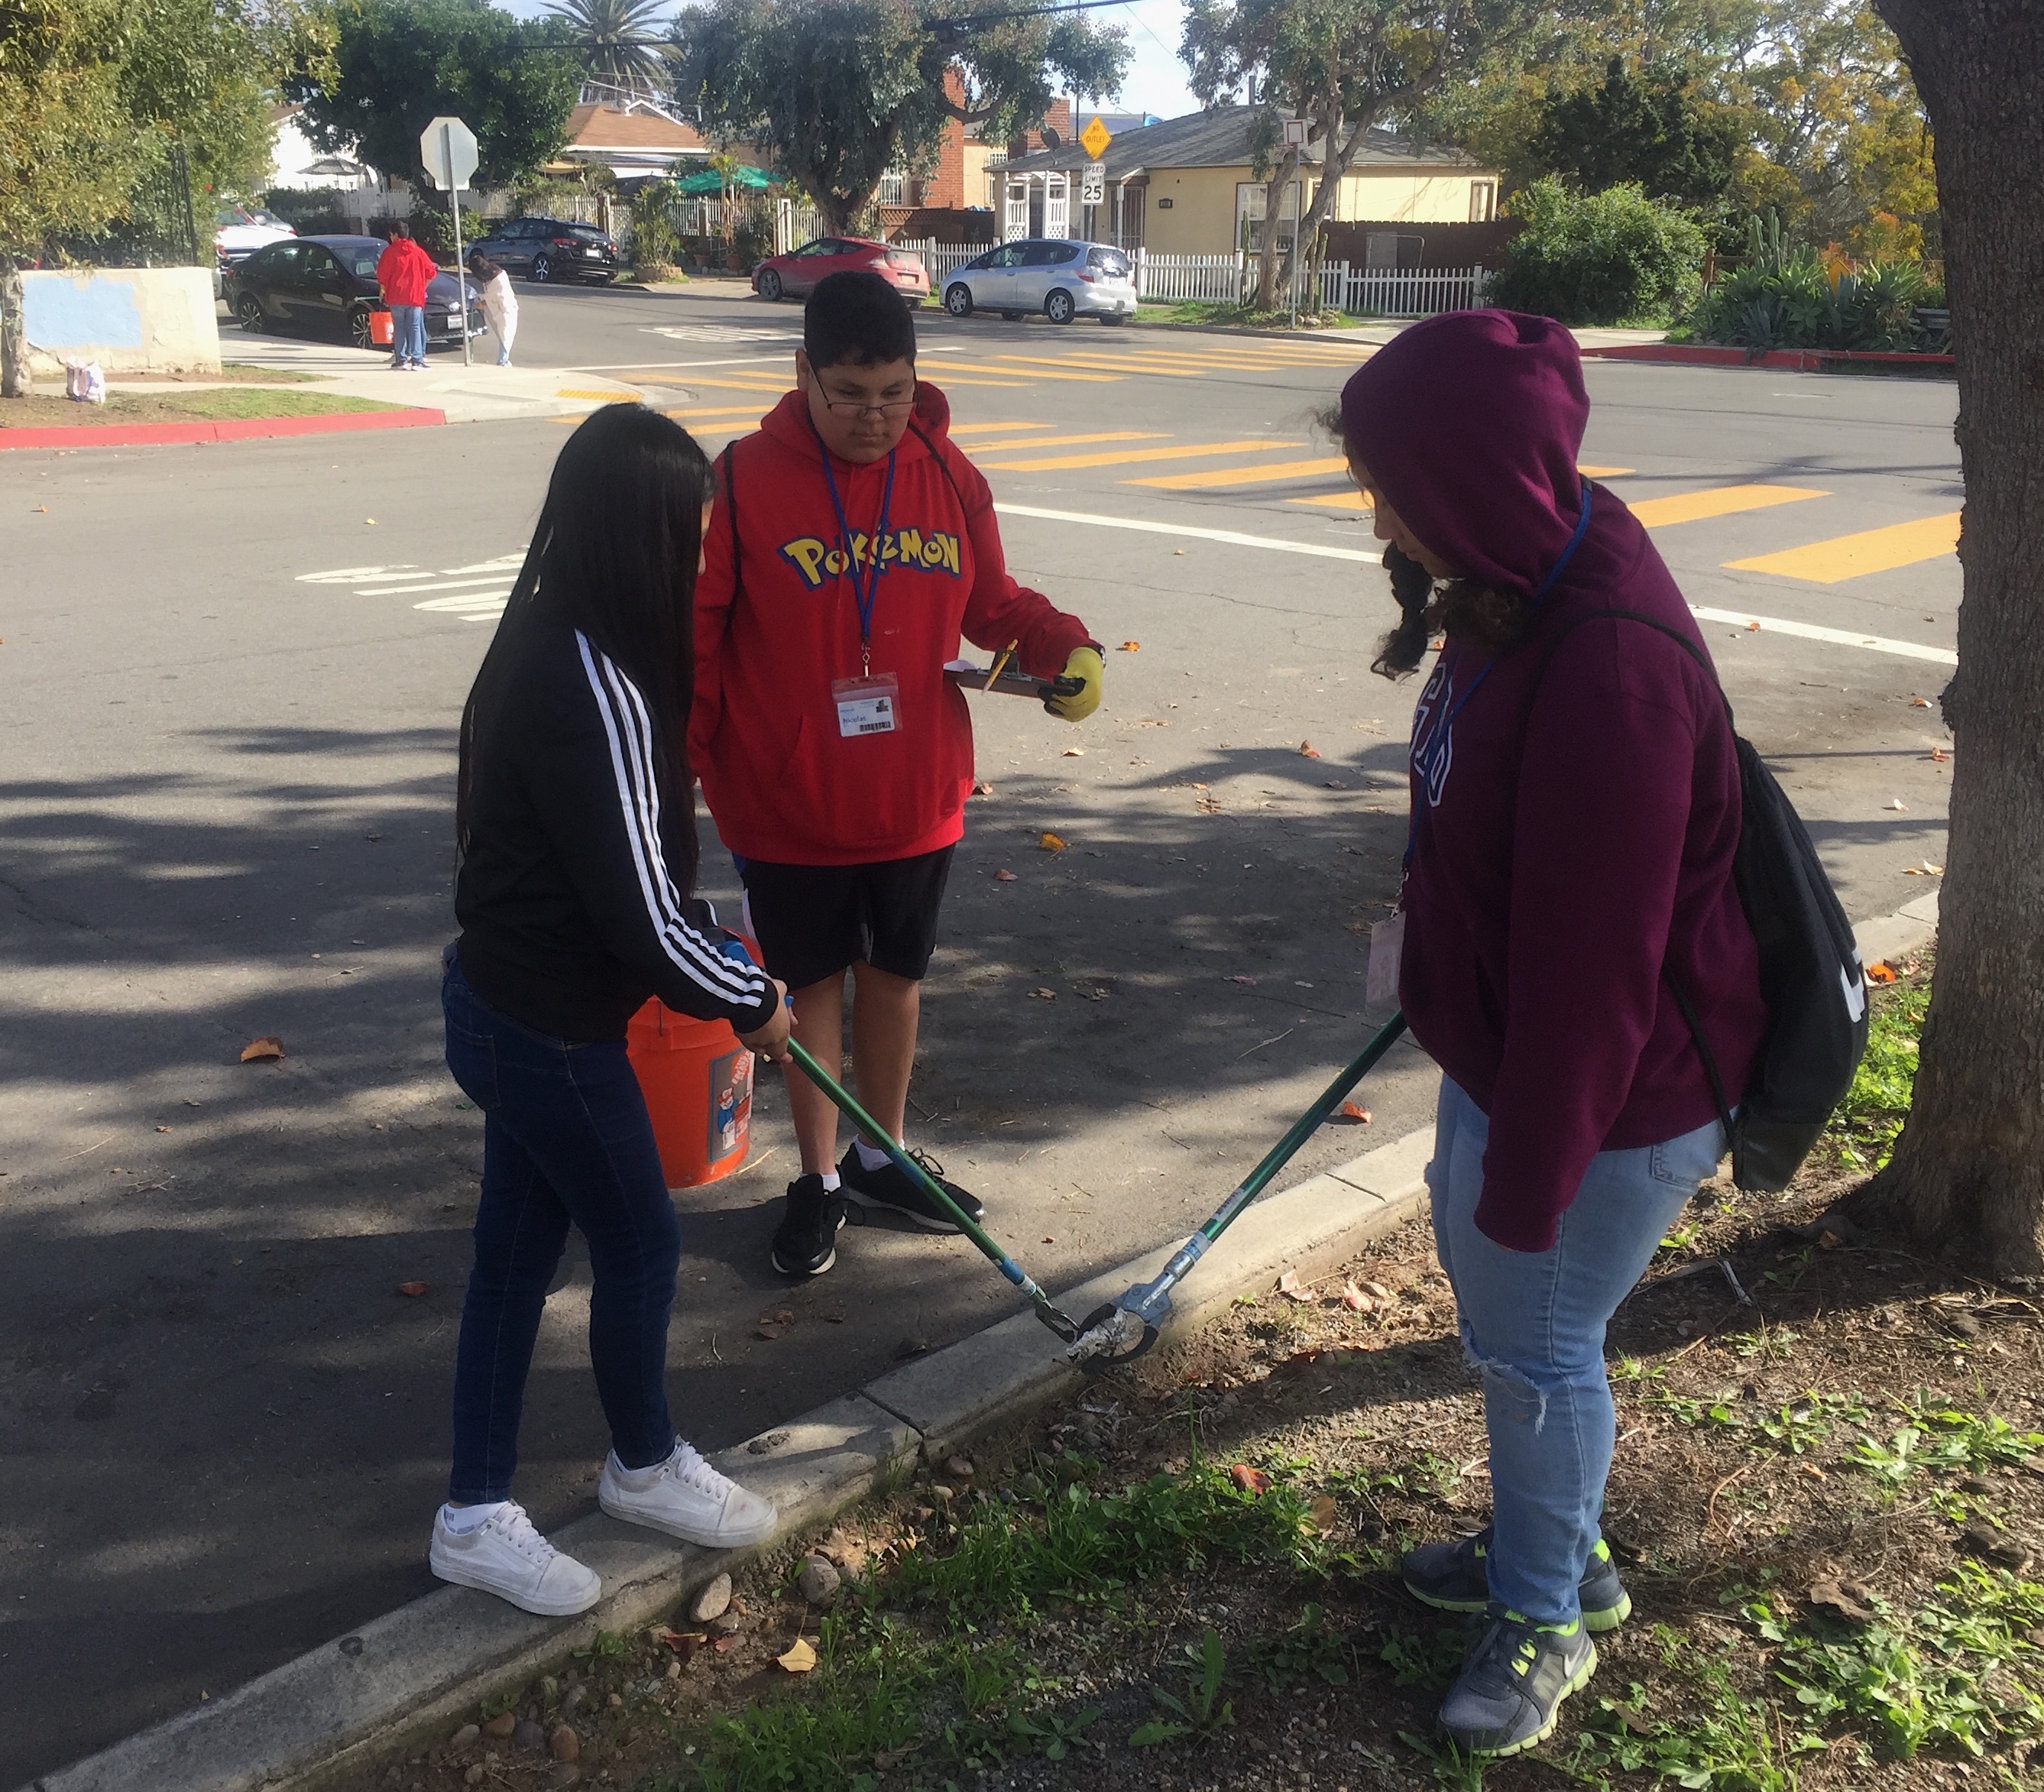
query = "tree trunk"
x=1274 y=202
x=1968 y=1173
x=15 y=382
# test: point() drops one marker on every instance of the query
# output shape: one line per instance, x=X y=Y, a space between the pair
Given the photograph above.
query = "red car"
x=794 y=274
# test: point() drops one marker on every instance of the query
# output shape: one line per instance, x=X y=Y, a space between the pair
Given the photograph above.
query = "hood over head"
x=1469 y=424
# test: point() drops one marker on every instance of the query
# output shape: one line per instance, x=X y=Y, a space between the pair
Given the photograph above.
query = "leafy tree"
x=1649 y=126
x=837 y=92
x=1614 y=257
x=616 y=41
x=398 y=63
x=1967 y=1171
x=1345 y=66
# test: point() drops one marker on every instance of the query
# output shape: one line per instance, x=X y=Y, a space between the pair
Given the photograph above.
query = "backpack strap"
x=1682 y=1001
x=731 y=503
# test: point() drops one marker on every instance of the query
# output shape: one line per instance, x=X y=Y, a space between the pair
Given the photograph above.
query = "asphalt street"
x=232 y=675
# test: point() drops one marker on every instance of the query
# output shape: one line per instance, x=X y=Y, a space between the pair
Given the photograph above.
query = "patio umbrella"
x=708 y=180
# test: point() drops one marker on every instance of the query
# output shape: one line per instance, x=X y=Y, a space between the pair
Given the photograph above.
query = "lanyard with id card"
x=870 y=703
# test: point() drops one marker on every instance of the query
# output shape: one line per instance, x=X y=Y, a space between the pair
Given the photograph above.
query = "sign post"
x=1093 y=184
x=447 y=150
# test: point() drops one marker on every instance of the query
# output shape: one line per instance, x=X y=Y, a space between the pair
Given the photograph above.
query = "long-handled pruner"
x=1047 y=1309
x=1127 y=1327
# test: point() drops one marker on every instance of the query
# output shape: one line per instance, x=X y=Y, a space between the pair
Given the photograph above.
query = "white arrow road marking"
x=474 y=593
x=358 y=575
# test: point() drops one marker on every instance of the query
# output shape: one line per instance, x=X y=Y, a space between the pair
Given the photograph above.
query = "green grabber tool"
x=1047 y=1309
x=1127 y=1327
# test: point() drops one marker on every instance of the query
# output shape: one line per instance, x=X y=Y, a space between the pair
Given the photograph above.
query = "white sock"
x=461 y=1520
x=832 y=1185
x=638 y=1479
x=870 y=1156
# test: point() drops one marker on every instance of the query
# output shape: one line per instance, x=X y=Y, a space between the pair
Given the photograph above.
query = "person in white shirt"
x=500 y=304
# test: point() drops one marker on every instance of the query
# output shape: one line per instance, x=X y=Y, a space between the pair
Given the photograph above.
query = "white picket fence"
x=943 y=259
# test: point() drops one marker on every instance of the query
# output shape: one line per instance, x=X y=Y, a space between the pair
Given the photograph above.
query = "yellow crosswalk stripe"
x=1173 y=368
x=1261 y=474
x=989 y=429
x=1720 y=501
x=1334 y=500
x=1073 y=441
x=1091 y=372
x=1602 y=472
x=1873 y=550
x=716 y=410
x=1058 y=462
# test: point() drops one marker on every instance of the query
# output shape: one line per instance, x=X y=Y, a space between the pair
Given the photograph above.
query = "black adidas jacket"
x=570 y=920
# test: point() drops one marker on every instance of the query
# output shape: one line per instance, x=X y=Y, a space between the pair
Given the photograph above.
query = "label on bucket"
x=730 y=1104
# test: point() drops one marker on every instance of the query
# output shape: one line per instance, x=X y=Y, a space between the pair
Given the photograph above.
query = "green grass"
x=210 y=404
x=1863 y=1131
x=1208 y=311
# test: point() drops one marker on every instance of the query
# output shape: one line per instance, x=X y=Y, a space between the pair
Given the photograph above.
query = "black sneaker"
x=806 y=1244
x=1512 y=1682
x=1451 y=1577
x=889 y=1188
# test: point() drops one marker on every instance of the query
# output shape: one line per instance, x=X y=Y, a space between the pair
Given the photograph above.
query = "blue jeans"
x=1533 y=1324
x=565 y=1140
x=408 y=335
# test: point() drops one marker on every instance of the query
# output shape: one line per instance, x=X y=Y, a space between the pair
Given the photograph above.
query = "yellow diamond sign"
x=1095 y=138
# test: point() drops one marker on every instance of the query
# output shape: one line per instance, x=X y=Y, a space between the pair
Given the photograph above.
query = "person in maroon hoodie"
x=854 y=543
x=1575 y=801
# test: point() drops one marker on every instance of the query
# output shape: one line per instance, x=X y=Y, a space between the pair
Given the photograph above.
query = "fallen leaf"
x=982 y=790
x=1353 y=1114
x=1894 y=803
x=42 y=510
x=1179 y=552
x=1075 y=752
x=267 y=1047
x=1289 y=1285
x=1048 y=842
x=370 y=521
x=1753 y=627
x=1879 y=971
x=1250 y=1480
x=1320 y=1516
x=801 y=1659
x=684 y=1643
x=1633 y=1722
x=768 y=1330
x=1376 y=1291
x=1050 y=1238
x=1308 y=751
x=1247 y=982
x=1334 y=784
x=414 y=1288
x=1919 y=702
x=1005 y=877
x=1132 y=647
x=1846 y=1598
x=1045 y=995
x=729 y=1639
x=1353 y=1299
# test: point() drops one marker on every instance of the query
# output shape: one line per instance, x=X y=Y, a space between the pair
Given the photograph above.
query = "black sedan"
x=327 y=286
x=545 y=248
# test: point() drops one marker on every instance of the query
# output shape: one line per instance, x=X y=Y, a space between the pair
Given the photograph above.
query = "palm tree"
x=615 y=39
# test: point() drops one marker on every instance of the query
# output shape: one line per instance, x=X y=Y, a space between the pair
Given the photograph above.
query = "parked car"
x=240 y=231
x=547 y=249
x=794 y=274
x=327 y=286
x=1060 y=278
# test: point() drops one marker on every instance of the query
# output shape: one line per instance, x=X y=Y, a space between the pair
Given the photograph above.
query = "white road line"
x=496 y=577
x=1233 y=537
x=1842 y=637
x=504 y=563
x=491 y=603
x=359 y=574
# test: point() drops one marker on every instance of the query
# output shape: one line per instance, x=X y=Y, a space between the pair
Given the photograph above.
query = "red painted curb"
x=223 y=429
x=1713 y=354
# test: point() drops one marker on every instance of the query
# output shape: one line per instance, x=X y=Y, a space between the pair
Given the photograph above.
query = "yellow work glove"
x=1084 y=664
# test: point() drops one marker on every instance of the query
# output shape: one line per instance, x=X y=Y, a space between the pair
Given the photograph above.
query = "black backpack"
x=1810 y=973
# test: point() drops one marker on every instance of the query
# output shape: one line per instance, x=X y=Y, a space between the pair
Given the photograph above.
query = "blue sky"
x=1156 y=78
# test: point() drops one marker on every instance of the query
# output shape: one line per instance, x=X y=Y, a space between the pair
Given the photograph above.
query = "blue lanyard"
x=1433 y=748
x=865 y=591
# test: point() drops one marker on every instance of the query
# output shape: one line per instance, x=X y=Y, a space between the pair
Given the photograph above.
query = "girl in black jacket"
x=575 y=821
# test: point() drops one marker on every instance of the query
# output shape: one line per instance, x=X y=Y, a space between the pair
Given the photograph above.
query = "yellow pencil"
x=999 y=660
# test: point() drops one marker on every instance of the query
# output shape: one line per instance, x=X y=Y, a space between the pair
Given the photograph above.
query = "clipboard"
x=1012 y=682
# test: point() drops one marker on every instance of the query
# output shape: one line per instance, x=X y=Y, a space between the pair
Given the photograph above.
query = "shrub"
x=1797 y=305
x=655 y=240
x=1613 y=257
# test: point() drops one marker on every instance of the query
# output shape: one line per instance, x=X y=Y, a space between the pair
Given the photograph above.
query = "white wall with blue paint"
x=130 y=320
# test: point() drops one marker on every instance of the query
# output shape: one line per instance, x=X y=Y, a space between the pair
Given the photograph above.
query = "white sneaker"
x=687 y=1498
x=504 y=1555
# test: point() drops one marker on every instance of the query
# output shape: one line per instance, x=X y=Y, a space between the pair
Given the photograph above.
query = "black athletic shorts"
x=813 y=922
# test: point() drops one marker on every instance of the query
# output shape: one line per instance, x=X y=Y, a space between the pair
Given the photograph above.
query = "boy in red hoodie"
x=853 y=544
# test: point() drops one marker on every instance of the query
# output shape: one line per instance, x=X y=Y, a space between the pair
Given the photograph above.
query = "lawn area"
x=1203 y=311
x=1827 y=1499
x=209 y=404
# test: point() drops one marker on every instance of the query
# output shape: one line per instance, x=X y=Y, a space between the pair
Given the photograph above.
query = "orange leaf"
x=1919 y=702
x=1049 y=842
x=1939 y=756
x=1132 y=647
x=1350 y=1112
x=1753 y=627
x=982 y=790
x=1005 y=877
x=264 y=1047
x=1353 y=1299
x=1308 y=751
x=414 y=1288
x=1250 y=1480
x=1880 y=972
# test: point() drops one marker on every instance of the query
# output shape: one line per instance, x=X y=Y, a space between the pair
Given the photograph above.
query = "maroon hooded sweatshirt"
x=1573 y=847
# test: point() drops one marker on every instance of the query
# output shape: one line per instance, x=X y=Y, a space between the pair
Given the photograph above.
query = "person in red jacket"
x=404 y=270
x=853 y=544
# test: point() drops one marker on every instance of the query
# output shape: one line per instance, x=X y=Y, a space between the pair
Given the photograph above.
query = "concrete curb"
x=1911 y=927
x=223 y=429
x=404 y=1678
x=1794 y=360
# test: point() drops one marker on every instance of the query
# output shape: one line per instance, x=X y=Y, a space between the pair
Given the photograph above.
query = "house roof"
x=601 y=130
x=1218 y=138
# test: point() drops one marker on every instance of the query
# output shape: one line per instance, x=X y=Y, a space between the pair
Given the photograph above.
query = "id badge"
x=1387 y=947
x=867 y=705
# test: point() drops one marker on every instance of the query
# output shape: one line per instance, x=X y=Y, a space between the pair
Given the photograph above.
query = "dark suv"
x=545 y=248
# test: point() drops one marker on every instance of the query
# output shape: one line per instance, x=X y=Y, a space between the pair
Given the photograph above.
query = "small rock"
x=727 y=1625
x=565 y=1744
x=1965 y=1325
x=502 y=1725
x=465 y=1737
x=530 y=1736
x=473 y=1776
x=674 y=1671
x=1977 y=1484
x=1997 y=1546
x=942 y=1494
x=911 y=1346
x=565 y=1774
x=616 y=1702
x=714 y=1600
x=959 y=1468
x=572 y=1700
x=819 y=1581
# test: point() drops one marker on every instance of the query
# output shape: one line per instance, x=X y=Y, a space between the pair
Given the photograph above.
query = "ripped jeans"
x=1533 y=1323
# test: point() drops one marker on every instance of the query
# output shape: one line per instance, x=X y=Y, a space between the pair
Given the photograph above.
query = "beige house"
x=1185 y=186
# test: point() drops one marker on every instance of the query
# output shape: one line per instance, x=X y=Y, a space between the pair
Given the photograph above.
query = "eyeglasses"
x=858 y=407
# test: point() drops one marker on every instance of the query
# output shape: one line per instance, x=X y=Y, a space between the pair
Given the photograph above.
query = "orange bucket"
x=382 y=329
x=698 y=1082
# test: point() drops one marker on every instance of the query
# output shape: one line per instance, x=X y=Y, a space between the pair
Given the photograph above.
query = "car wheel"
x=1059 y=307
x=1013 y=317
x=769 y=285
x=248 y=312
x=542 y=268
x=958 y=300
x=357 y=327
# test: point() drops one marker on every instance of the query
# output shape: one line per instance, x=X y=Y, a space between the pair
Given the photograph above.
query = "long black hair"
x=614 y=555
x=481 y=266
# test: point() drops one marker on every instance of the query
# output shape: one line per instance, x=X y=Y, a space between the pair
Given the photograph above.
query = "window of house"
x=1250 y=196
x=1483 y=201
x=894 y=188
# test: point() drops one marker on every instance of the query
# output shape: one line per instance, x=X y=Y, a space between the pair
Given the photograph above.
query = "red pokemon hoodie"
x=777 y=624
